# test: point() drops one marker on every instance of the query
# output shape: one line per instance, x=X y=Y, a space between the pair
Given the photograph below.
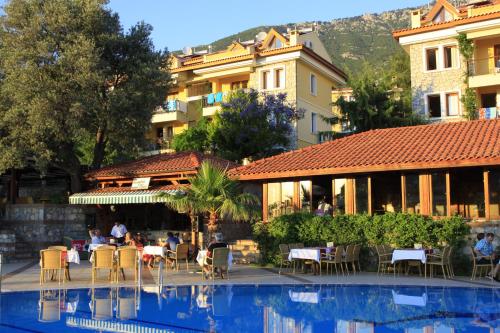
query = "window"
x=412 y=193
x=442 y=16
x=305 y=195
x=314 y=120
x=439 y=194
x=280 y=198
x=313 y=85
x=308 y=44
x=279 y=78
x=452 y=104
x=266 y=80
x=339 y=195
x=431 y=59
x=494 y=189
x=170 y=132
x=239 y=85
x=361 y=197
x=496 y=50
x=434 y=106
x=449 y=56
x=489 y=100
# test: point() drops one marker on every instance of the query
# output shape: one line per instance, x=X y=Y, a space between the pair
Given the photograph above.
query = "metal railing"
x=171 y=106
x=484 y=66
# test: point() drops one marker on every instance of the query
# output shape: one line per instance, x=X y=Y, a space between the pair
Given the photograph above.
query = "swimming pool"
x=249 y=308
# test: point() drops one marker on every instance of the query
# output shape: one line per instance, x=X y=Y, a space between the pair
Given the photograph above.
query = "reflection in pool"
x=326 y=308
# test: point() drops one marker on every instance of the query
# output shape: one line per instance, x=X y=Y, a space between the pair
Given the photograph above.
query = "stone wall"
x=41 y=225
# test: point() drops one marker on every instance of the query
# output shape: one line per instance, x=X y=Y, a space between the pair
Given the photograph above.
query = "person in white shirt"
x=118 y=232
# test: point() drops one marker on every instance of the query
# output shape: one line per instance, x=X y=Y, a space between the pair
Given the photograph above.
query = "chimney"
x=294 y=37
x=416 y=17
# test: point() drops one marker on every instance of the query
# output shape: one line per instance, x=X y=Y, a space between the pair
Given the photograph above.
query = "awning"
x=121 y=196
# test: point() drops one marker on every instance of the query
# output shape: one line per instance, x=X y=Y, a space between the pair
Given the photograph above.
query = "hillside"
x=349 y=41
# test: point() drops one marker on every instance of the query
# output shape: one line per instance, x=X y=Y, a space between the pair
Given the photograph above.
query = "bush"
x=397 y=229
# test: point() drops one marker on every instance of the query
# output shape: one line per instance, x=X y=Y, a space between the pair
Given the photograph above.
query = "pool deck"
x=24 y=276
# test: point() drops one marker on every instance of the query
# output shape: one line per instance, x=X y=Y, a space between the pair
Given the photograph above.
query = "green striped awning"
x=119 y=196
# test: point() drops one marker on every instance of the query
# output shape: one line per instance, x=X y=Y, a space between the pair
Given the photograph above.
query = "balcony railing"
x=485 y=66
x=215 y=99
x=489 y=113
x=171 y=106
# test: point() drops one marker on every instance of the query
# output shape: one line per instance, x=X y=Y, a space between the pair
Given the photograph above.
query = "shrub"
x=397 y=229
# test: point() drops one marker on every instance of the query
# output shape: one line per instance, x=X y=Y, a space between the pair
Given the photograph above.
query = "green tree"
x=196 y=138
x=75 y=88
x=469 y=98
x=211 y=192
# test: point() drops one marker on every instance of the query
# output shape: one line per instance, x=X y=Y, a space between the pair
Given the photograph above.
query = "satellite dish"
x=187 y=50
x=261 y=36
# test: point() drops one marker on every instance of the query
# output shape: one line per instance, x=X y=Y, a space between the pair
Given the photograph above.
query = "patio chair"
x=126 y=305
x=63 y=249
x=334 y=260
x=349 y=259
x=127 y=258
x=50 y=306
x=357 y=252
x=181 y=253
x=220 y=258
x=477 y=266
x=102 y=304
x=103 y=259
x=384 y=259
x=284 y=252
x=52 y=261
x=438 y=260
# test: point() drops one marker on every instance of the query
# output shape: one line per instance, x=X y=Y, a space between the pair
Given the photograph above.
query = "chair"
x=50 y=306
x=103 y=259
x=384 y=258
x=357 y=252
x=52 y=260
x=220 y=258
x=334 y=260
x=349 y=259
x=63 y=249
x=284 y=253
x=477 y=266
x=127 y=258
x=181 y=253
x=438 y=260
x=102 y=307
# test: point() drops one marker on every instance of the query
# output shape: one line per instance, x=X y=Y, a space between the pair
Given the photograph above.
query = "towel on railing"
x=171 y=106
x=218 y=97
x=210 y=99
x=488 y=113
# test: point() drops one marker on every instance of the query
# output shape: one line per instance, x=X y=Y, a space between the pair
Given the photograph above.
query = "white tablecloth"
x=306 y=253
x=202 y=255
x=409 y=254
x=73 y=257
x=154 y=250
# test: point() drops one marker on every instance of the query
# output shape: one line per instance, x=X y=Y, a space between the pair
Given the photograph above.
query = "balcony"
x=211 y=103
x=484 y=72
x=170 y=111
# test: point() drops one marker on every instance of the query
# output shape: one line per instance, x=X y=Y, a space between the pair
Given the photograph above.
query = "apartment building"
x=295 y=63
x=438 y=70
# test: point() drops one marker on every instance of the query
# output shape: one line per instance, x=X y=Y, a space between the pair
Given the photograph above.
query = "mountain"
x=349 y=41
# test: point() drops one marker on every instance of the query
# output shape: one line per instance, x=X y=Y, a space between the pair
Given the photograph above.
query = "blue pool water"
x=326 y=308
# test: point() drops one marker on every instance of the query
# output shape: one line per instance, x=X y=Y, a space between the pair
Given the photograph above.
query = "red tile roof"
x=446 y=145
x=158 y=165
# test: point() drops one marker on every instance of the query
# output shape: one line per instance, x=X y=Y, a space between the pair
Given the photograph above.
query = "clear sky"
x=179 y=23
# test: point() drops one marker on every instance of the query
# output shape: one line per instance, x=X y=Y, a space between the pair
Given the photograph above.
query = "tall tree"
x=75 y=87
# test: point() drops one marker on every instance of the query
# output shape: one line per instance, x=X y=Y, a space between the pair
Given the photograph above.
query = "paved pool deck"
x=24 y=276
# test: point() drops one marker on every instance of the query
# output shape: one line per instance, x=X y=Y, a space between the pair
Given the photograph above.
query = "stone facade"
x=438 y=81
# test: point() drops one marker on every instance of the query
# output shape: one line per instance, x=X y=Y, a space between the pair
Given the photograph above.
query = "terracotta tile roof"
x=465 y=143
x=443 y=25
x=158 y=164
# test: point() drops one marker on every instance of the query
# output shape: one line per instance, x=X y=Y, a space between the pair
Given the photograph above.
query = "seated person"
x=96 y=237
x=484 y=249
x=129 y=240
x=171 y=244
x=217 y=242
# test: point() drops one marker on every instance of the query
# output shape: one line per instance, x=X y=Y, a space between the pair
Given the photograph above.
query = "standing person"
x=118 y=232
x=484 y=249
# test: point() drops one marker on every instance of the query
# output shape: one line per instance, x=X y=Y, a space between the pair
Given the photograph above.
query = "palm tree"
x=213 y=193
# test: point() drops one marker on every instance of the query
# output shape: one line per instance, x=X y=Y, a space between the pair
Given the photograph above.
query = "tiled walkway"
x=25 y=276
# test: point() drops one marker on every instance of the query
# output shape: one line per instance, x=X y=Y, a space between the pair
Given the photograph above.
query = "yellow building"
x=295 y=63
x=437 y=67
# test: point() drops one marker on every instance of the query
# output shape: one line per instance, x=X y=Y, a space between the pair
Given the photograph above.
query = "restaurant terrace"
x=437 y=169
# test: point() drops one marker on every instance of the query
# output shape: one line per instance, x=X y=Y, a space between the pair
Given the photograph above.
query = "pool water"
x=248 y=308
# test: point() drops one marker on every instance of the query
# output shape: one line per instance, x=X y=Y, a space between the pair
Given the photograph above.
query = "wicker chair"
x=52 y=260
x=181 y=253
x=63 y=249
x=476 y=266
x=441 y=260
x=349 y=259
x=220 y=258
x=284 y=261
x=334 y=260
x=103 y=259
x=127 y=258
x=384 y=258
x=357 y=252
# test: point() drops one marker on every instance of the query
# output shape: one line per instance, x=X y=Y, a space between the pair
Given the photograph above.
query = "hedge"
x=396 y=229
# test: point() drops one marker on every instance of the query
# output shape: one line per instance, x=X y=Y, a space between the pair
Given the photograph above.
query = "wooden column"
x=403 y=193
x=296 y=196
x=350 y=206
x=486 y=183
x=264 y=202
x=425 y=194
x=369 y=190
x=448 y=194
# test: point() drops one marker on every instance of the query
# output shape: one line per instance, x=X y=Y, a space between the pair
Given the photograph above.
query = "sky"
x=179 y=23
